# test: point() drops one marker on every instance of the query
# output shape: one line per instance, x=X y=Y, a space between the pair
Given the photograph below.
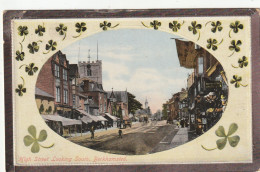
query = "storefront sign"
x=212 y=85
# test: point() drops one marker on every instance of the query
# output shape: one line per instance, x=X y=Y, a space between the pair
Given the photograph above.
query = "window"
x=88 y=72
x=65 y=96
x=57 y=94
x=65 y=74
x=200 y=65
x=56 y=70
x=74 y=100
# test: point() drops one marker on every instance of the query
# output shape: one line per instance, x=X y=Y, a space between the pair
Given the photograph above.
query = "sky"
x=144 y=62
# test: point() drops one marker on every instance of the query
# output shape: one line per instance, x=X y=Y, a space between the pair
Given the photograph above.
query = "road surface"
x=142 y=138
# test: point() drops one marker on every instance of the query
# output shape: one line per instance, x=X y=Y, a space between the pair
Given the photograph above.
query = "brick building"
x=97 y=97
x=54 y=80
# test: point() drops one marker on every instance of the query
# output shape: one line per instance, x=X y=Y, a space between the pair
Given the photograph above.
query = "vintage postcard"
x=124 y=90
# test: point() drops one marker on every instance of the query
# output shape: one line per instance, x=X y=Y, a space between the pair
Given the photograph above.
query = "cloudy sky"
x=144 y=62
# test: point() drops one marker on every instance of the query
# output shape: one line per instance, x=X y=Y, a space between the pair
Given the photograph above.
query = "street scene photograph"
x=131 y=91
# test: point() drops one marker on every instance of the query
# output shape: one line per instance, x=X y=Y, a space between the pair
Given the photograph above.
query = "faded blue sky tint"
x=144 y=62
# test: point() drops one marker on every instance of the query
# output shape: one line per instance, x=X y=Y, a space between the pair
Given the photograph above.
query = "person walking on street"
x=92 y=132
x=120 y=133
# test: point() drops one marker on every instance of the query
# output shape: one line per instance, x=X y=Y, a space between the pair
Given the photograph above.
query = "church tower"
x=146 y=104
x=91 y=70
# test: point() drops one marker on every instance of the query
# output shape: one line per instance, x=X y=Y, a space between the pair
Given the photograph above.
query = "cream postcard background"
x=238 y=109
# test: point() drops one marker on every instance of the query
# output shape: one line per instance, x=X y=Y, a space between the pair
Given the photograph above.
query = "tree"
x=133 y=104
x=164 y=111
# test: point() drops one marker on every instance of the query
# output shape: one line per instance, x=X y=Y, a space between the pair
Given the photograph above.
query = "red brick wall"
x=45 y=79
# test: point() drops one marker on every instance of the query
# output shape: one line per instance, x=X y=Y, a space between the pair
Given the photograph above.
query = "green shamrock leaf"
x=237 y=81
x=216 y=26
x=34 y=141
x=62 y=30
x=20 y=54
x=235 y=46
x=40 y=30
x=33 y=47
x=80 y=27
x=212 y=43
x=242 y=62
x=23 y=31
x=30 y=69
x=221 y=143
x=175 y=26
x=155 y=24
x=235 y=27
x=105 y=25
x=195 y=28
x=51 y=46
x=20 y=90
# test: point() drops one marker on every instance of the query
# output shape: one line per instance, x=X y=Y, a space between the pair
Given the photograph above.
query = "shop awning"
x=101 y=118
x=111 y=117
x=63 y=120
x=92 y=117
x=86 y=119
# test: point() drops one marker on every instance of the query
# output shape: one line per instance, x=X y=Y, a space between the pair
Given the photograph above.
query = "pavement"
x=175 y=138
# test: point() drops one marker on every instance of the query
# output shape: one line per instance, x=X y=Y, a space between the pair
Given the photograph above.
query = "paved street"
x=142 y=138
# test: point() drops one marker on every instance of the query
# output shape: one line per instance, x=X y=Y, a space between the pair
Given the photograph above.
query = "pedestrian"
x=92 y=132
x=120 y=133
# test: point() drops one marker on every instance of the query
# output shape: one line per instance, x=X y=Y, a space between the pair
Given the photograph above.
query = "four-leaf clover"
x=33 y=47
x=40 y=30
x=235 y=27
x=212 y=43
x=30 y=69
x=32 y=139
x=237 y=81
x=234 y=46
x=155 y=24
x=105 y=25
x=23 y=31
x=62 y=30
x=195 y=28
x=51 y=46
x=175 y=26
x=216 y=26
x=221 y=143
x=242 y=62
x=80 y=27
x=20 y=90
x=20 y=55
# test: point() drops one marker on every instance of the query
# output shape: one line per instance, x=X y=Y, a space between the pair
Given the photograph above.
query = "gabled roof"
x=120 y=96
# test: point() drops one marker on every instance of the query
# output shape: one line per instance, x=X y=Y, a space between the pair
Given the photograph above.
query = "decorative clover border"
x=175 y=26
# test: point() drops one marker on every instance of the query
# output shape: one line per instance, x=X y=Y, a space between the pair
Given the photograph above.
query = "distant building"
x=117 y=103
x=144 y=113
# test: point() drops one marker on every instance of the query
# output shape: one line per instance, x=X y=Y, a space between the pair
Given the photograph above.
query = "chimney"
x=86 y=85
